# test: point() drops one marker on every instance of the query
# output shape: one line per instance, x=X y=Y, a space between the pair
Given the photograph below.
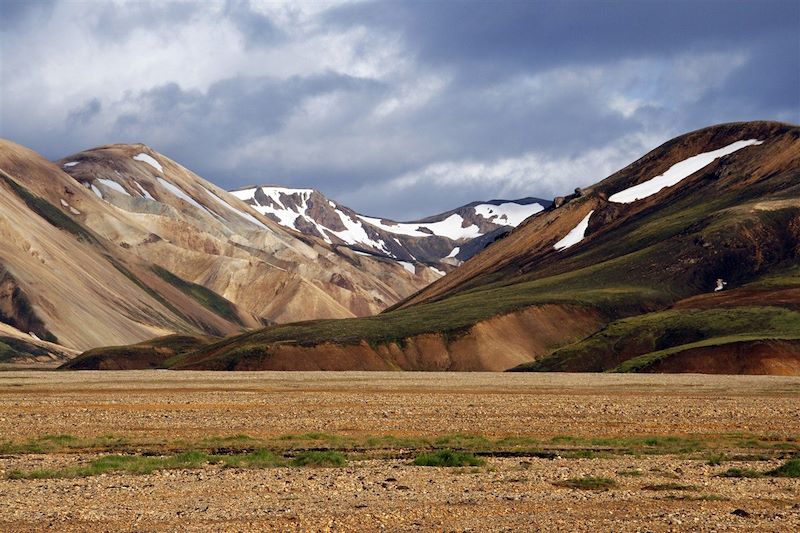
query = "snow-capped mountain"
x=446 y=239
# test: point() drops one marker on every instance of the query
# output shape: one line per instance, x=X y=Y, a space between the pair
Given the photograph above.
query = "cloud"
x=84 y=114
x=399 y=109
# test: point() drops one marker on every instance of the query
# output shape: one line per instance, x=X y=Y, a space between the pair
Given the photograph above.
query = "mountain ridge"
x=523 y=299
x=436 y=240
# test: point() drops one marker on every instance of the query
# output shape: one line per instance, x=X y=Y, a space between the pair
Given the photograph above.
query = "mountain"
x=618 y=276
x=445 y=239
x=64 y=283
x=127 y=240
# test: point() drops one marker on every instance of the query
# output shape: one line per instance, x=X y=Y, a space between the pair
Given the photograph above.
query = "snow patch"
x=177 y=191
x=289 y=213
x=440 y=272
x=144 y=158
x=113 y=185
x=575 y=235
x=677 y=172
x=507 y=213
x=286 y=217
x=143 y=191
x=72 y=210
x=408 y=266
x=97 y=192
x=247 y=216
x=451 y=227
x=70 y=164
x=454 y=252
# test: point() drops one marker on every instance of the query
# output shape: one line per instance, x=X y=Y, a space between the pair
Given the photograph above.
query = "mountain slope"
x=581 y=265
x=172 y=218
x=440 y=240
x=57 y=275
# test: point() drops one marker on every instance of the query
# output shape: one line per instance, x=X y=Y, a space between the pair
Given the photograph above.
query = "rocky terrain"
x=702 y=448
x=445 y=240
x=624 y=275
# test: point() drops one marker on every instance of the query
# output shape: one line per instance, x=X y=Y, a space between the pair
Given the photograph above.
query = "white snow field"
x=677 y=172
x=451 y=227
x=247 y=216
x=144 y=158
x=354 y=232
x=507 y=213
x=575 y=235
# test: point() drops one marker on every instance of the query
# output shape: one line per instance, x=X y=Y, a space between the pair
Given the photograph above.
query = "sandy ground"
x=507 y=494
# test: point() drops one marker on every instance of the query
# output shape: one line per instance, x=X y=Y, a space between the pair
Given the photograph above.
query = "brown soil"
x=776 y=357
x=492 y=345
x=508 y=494
x=781 y=297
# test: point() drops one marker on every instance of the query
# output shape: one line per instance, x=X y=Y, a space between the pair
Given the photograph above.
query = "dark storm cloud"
x=504 y=36
x=398 y=108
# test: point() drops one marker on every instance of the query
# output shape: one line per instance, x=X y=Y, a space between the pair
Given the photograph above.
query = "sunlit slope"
x=737 y=218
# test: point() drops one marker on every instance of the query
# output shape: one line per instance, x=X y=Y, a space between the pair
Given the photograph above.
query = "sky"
x=396 y=109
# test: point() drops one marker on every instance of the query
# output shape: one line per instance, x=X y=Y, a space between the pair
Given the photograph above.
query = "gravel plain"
x=387 y=493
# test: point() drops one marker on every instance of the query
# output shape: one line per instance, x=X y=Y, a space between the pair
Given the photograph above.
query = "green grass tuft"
x=320 y=458
x=740 y=473
x=257 y=459
x=447 y=458
x=790 y=468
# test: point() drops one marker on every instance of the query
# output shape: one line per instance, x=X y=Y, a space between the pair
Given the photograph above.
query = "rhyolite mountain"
x=443 y=240
x=120 y=244
x=620 y=276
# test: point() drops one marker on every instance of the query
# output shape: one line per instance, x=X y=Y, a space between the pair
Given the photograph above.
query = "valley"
x=244 y=451
x=619 y=276
x=683 y=261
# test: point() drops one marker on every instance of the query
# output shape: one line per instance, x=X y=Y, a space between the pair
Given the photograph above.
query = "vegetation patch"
x=698 y=447
x=740 y=473
x=447 y=458
x=145 y=464
x=49 y=212
x=205 y=297
x=790 y=468
x=633 y=344
x=319 y=458
x=256 y=459
x=133 y=464
x=587 y=483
